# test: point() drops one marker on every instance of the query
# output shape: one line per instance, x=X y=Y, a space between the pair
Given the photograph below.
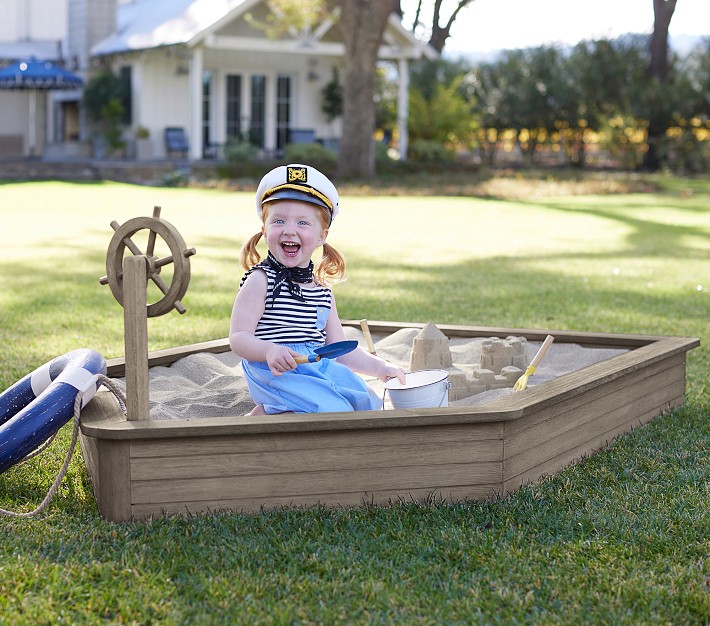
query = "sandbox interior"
x=147 y=468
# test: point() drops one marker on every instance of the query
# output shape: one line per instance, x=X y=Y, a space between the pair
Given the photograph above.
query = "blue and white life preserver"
x=37 y=406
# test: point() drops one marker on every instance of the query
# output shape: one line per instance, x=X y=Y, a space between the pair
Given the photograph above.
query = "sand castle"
x=502 y=362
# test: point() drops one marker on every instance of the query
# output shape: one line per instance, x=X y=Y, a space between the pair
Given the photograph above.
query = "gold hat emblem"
x=296 y=175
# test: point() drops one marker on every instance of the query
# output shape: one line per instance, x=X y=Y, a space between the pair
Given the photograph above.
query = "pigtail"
x=249 y=256
x=330 y=269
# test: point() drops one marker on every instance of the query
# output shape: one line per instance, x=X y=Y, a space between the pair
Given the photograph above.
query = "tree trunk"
x=362 y=23
x=658 y=72
x=662 y=13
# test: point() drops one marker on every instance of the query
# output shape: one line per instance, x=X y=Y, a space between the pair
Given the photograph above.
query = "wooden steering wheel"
x=179 y=257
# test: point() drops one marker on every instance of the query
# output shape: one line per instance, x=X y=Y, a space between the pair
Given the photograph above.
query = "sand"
x=212 y=385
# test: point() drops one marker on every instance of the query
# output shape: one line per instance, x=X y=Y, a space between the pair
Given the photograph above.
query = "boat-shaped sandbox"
x=149 y=468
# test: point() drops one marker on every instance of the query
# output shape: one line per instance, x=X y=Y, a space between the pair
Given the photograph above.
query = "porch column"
x=403 y=109
x=195 y=88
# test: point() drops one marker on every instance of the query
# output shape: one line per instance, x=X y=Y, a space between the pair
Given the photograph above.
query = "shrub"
x=176 y=178
x=427 y=151
x=684 y=154
x=313 y=154
x=240 y=151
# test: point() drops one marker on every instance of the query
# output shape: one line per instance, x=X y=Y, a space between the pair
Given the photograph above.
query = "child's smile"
x=290 y=248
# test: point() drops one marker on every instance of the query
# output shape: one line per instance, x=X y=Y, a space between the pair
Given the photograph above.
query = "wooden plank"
x=335 y=481
x=315 y=460
x=352 y=499
x=581 y=381
x=672 y=367
x=117 y=367
x=116 y=428
x=531 y=334
x=570 y=456
x=108 y=462
x=114 y=494
x=601 y=424
x=135 y=321
x=299 y=441
x=572 y=414
x=89 y=452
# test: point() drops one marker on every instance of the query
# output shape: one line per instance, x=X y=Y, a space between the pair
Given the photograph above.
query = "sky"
x=487 y=25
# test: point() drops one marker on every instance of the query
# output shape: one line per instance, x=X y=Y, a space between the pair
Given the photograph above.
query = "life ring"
x=37 y=406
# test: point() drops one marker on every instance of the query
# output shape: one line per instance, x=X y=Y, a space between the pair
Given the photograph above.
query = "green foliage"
x=440 y=110
x=283 y=15
x=382 y=156
x=445 y=118
x=386 y=94
x=176 y=178
x=240 y=151
x=549 y=97
x=622 y=138
x=103 y=99
x=683 y=153
x=106 y=89
x=312 y=153
x=332 y=94
x=428 y=151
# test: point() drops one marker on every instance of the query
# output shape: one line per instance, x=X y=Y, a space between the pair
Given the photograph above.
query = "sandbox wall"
x=143 y=469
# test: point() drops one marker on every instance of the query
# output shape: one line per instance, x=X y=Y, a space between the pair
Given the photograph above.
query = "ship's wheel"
x=179 y=256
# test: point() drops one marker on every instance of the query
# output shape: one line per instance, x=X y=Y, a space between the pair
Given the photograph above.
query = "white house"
x=206 y=67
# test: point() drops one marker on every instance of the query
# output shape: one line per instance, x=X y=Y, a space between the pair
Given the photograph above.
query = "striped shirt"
x=287 y=319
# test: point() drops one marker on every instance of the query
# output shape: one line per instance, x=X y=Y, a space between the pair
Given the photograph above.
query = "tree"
x=362 y=24
x=440 y=104
x=658 y=73
x=437 y=33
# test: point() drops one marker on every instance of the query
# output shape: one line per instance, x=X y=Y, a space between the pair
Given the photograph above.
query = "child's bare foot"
x=258 y=410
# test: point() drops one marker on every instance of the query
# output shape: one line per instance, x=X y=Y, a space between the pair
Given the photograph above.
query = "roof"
x=144 y=24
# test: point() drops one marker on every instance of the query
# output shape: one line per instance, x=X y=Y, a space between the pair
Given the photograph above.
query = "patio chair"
x=176 y=141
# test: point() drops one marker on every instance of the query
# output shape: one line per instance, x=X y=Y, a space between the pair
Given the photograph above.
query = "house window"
x=206 y=101
x=283 y=110
x=234 y=106
x=257 y=130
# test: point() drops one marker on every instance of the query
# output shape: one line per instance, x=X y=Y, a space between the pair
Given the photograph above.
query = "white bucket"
x=424 y=389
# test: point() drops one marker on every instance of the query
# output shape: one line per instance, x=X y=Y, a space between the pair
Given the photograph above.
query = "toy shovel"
x=331 y=351
x=523 y=380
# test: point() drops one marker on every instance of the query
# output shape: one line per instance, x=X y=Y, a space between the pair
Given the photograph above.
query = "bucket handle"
x=449 y=385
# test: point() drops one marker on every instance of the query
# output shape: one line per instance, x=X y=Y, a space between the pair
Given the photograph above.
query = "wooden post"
x=135 y=321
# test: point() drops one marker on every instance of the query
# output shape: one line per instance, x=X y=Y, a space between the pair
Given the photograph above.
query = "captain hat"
x=297 y=182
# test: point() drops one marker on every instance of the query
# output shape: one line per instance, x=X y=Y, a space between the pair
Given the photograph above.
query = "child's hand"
x=280 y=359
x=392 y=371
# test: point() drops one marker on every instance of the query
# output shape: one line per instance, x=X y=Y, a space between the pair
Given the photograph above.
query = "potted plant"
x=144 y=149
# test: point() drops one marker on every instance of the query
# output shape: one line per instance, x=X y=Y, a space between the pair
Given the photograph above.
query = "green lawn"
x=620 y=538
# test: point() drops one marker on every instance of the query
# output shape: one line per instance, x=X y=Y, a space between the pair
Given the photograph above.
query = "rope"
x=118 y=393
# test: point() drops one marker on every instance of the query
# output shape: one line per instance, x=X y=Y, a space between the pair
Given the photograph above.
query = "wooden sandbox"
x=143 y=469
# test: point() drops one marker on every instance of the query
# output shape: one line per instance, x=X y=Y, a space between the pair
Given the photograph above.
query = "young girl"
x=285 y=308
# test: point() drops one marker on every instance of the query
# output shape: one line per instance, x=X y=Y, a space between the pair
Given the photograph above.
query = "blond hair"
x=328 y=271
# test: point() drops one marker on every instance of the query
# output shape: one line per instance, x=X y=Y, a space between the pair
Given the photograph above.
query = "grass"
x=619 y=538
